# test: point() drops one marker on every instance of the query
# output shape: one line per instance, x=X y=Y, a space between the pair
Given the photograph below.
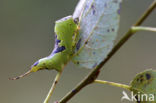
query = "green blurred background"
x=27 y=34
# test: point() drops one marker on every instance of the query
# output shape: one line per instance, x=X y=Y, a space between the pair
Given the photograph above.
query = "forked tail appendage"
x=15 y=78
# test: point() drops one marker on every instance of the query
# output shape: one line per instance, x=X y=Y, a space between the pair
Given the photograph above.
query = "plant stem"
x=146 y=13
x=94 y=73
x=52 y=87
x=141 y=28
x=113 y=84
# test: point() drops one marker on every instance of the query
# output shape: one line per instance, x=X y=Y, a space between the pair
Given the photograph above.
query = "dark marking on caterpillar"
x=70 y=24
x=148 y=76
x=59 y=49
x=56 y=40
x=35 y=64
x=55 y=35
x=76 y=20
x=78 y=45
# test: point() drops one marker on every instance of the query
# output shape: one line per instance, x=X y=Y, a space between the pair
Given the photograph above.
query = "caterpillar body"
x=66 y=31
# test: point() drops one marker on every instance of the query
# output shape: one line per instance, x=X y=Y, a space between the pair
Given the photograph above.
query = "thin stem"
x=146 y=13
x=94 y=73
x=113 y=84
x=142 y=28
x=52 y=87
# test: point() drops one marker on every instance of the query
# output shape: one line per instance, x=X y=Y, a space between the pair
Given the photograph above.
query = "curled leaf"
x=99 y=23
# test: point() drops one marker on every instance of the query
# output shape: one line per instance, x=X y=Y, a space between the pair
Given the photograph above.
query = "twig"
x=142 y=28
x=94 y=73
x=52 y=87
x=113 y=84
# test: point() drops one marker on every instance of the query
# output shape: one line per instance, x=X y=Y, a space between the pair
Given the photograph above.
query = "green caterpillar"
x=66 y=31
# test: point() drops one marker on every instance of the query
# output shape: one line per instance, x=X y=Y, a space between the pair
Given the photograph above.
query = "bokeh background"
x=27 y=34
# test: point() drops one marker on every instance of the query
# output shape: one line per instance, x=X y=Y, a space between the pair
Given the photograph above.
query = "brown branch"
x=94 y=73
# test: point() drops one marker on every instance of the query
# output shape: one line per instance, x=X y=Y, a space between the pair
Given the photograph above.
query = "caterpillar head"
x=38 y=65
